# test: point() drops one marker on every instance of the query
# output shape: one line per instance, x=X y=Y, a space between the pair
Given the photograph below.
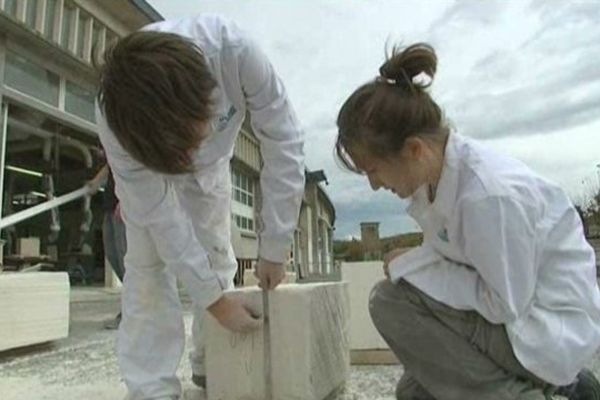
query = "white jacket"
x=502 y=241
x=246 y=81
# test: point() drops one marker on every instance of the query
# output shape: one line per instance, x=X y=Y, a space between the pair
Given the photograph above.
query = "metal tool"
x=267 y=347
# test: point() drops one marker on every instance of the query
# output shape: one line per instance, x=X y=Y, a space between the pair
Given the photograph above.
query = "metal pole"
x=3 y=134
x=45 y=206
x=268 y=372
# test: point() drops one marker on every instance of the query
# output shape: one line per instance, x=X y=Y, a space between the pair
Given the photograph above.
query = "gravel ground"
x=84 y=365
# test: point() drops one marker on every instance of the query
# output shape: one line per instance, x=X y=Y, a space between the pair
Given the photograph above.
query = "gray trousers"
x=449 y=354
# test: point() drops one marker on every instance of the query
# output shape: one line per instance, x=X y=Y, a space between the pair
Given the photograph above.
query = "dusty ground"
x=84 y=365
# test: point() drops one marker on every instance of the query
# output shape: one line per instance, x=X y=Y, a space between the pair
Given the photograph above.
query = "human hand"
x=269 y=274
x=234 y=315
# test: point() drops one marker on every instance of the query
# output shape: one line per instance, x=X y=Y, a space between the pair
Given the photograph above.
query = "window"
x=49 y=18
x=29 y=78
x=244 y=223
x=80 y=101
x=297 y=247
x=31 y=13
x=243 y=188
x=111 y=37
x=243 y=200
x=10 y=7
x=81 y=34
x=96 y=32
x=68 y=23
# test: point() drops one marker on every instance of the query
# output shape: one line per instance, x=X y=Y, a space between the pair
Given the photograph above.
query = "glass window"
x=67 y=25
x=244 y=223
x=29 y=78
x=50 y=16
x=96 y=30
x=80 y=101
x=31 y=13
x=10 y=7
x=81 y=33
x=111 y=37
x=243 y=184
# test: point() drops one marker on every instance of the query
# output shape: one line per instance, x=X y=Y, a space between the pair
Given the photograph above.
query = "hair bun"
x=405 y=64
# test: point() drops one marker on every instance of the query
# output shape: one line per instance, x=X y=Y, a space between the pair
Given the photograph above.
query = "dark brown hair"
x=155 y=93
x=380 y=115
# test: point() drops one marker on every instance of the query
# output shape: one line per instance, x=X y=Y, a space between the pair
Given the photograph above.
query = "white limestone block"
x=361 y=277
x=309 y=346
x=34 y=308
x=28 y=247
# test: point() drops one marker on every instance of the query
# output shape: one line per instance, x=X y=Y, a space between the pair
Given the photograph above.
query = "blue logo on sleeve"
x=443 y=235
x=224 y=119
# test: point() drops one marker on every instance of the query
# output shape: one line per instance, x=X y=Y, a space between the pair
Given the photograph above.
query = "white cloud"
x=521 y=73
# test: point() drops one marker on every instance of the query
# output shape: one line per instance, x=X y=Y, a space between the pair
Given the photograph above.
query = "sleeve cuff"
x=210 y=292
x=274 y=250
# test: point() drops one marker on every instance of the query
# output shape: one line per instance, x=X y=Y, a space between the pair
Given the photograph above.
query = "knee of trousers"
x=389 y=303
x=404 y=393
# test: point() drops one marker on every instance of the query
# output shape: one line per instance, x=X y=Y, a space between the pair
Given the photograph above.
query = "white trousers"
x=151 y=334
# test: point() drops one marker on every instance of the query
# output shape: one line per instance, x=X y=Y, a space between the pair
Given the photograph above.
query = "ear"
x=414 y=147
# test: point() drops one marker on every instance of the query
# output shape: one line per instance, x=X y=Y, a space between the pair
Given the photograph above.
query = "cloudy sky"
x=522 y=75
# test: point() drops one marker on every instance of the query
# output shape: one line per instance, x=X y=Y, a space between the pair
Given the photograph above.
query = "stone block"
x=35 y=308
x=309 y=346
x=28 y=247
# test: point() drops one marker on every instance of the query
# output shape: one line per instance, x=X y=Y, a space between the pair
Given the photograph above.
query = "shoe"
x=585 y=387
x=199 y=380
x=113 y=324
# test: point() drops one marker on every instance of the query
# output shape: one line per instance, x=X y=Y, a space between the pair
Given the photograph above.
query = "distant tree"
x=348 y=250
x=355 y=251
x=588 y=207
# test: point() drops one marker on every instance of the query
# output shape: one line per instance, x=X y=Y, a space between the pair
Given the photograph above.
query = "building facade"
x=312 y=249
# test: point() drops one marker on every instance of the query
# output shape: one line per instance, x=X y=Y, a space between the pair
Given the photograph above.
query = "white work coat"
x=246 y=81
x=505 y=242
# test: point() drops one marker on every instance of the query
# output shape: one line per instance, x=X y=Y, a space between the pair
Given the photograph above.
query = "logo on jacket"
x=224 y=119
x=443 y=235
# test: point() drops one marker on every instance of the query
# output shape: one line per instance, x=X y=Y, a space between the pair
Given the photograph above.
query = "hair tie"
x=406 y=82
x=389 y=81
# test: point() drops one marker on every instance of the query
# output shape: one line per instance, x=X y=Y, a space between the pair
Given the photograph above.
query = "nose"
x=374 y=182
